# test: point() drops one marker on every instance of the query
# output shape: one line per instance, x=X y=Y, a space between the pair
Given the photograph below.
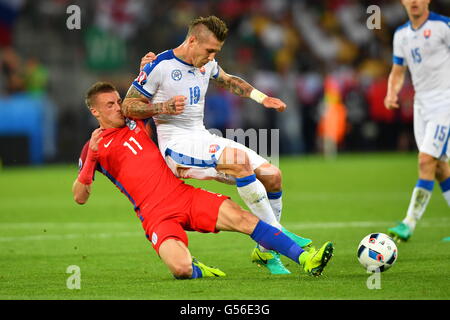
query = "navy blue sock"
x=274 y=239
x=445 y=185
x=196 y=272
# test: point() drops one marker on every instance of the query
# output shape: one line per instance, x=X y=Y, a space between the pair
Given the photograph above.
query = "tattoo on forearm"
x=137 y=106
x=235 y=84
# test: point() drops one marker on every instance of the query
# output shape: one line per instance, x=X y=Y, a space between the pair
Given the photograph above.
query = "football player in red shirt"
x=123 y=151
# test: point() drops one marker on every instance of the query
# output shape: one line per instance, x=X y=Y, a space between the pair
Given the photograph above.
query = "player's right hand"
x=391 y=102
x=95 y=139
x=176 y=105
x=149 y=57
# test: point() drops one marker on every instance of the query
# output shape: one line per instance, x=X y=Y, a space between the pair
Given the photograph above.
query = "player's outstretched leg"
x=313 y=262
x=233 y=218
x=175 y=254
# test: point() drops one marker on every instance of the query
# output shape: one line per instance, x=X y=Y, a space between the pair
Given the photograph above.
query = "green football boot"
x=269 y=259
x=314 y=262
x=305 y=243
x=401 y=232
x=208 y=271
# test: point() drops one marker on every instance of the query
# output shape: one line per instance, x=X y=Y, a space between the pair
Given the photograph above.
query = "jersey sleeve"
x=447 y=32
x=214 y=70
x=82 y=159
x=398 y=56
x=148 y=79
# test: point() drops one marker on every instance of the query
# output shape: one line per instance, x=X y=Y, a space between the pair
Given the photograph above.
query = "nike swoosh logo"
x=278 y=233
x=107 y=144
x=261 y=258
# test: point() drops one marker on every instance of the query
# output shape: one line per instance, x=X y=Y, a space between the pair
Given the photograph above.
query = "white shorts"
x=432 y=133
x=202 y=150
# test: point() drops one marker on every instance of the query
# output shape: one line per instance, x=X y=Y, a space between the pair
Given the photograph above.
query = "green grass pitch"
x=43 y=232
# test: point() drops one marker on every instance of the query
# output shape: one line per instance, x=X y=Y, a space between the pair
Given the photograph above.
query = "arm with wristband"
x=242 y=88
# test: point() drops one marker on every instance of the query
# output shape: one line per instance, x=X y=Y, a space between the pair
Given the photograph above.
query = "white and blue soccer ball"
x=377 y=252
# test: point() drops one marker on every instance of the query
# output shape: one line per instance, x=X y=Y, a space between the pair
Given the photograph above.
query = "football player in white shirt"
x=423 y=46
x=191 y=151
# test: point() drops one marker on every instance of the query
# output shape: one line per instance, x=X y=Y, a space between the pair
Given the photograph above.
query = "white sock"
x=276 y=203
x=419 y=202
x=446 y=195
x=254 y=194
x=445 y=188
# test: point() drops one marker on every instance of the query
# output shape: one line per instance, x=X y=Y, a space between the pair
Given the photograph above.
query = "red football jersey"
x=132 y=161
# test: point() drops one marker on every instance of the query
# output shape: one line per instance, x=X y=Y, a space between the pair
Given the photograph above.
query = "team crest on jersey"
x=427 y=33
x=214 y=148
x=154 y=239
x=176 y=75
x=142 y=78
x=202 y=70
x=130 y=124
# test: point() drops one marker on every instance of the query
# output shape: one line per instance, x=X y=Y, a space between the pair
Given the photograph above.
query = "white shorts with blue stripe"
x=202 y=149
x=432 y=132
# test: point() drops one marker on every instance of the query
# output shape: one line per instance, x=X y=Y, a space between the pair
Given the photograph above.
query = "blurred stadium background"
x=311 y=54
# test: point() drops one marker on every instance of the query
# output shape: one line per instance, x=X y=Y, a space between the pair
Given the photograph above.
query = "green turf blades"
x=43 y=232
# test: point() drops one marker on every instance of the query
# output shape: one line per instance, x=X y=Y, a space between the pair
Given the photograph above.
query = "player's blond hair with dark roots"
x=96 y=88
x=214 y=24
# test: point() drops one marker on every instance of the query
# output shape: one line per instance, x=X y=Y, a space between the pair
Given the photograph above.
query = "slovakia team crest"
x=202 y=70
x=142 y=78
x=176 y=75
x=427 y=33
x=214 y=148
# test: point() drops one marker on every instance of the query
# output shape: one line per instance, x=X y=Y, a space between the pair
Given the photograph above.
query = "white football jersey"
x=166 y=77
x=426 y=52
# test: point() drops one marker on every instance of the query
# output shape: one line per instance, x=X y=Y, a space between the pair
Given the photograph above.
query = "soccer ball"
x=377 y=252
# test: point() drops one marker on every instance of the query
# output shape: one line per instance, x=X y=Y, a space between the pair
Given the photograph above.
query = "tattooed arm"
x=137 y=106
x=242 y=88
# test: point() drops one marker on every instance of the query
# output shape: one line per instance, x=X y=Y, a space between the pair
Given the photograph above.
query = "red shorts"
x=187 y=209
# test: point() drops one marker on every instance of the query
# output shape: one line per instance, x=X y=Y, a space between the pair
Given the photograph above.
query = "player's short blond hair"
x=95 y=89
x=212 y=23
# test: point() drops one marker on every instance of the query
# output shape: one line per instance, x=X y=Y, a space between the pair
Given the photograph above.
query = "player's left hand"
x=149 y=57
x=95 y=140
x=274 y=103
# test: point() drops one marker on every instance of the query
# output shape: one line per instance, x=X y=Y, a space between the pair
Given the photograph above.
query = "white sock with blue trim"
x=445 y=187
x=419 y=201
x=275 y=199
x=254 y=194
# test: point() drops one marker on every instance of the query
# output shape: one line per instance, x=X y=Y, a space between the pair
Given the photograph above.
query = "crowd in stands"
x=286 y=48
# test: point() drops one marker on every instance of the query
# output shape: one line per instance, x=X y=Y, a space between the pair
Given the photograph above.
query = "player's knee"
x=182 y=270
x=426 y=162
x=442 y=171
x=271 y=178
x=236 y=162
